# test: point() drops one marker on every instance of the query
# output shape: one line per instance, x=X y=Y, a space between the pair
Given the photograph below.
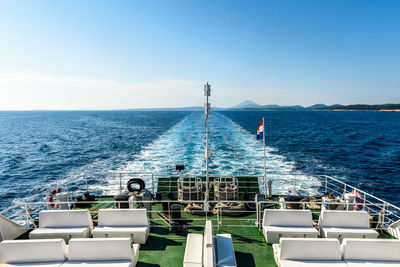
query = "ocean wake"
x=234 y=151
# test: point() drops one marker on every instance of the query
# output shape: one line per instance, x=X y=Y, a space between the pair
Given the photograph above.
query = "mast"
x=207 y=109
x=265 y=157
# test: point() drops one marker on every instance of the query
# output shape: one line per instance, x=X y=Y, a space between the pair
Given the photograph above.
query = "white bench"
x=279 y=223
x=123 y=223
x=193 y=251
x=209 y=258
x=44 y=252
x=113 y=252
x=345 y=224
x=205 y=250
x=64 y=224
x=371 y=252
x=225 y=252
x=302 y=252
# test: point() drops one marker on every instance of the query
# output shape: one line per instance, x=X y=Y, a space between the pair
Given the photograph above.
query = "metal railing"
x=384 y=212
x=221 y=217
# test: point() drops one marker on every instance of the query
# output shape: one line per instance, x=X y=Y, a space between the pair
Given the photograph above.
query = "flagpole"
x=207 y=90
x=265 y=156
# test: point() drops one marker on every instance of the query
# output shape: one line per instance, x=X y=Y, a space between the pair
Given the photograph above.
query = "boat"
x=181 y=219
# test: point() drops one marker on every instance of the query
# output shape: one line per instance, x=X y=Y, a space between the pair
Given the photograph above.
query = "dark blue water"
x=42 y=148
x=360 y=147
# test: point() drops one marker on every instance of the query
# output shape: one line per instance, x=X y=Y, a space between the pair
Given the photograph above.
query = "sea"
x=41 y=149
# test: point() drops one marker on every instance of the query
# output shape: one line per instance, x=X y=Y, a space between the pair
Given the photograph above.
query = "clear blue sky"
x=127 y=54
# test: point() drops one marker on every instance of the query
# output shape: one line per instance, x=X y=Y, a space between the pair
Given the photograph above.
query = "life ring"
x=359 y=201
x=137 y=181
x=51 y=198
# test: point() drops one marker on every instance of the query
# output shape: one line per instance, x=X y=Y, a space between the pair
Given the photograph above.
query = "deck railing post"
x=169 y=215
x=120 y=183
x=152 y=183
x=87 y=186
x=326 y=184
x=364 y=201
x=26 y=215
x=258 y=213
x=384 y=214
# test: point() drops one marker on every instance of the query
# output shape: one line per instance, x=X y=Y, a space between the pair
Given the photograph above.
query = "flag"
x=260 y=131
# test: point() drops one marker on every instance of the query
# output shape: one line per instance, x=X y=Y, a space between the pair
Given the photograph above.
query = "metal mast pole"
x=265 y=158
x=207 y=109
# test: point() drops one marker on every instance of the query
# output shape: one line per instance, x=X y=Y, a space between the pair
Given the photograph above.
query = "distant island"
x=251 y=105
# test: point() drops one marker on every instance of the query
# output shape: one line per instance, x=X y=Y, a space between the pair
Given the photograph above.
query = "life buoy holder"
x=359 y=201
x=137 y=181
x=51 y=198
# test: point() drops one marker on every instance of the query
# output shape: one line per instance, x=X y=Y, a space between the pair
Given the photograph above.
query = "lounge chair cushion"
x=372 y=263
x=286 y=217
x=60 y=232
x=51 y=252
x=123 y=217
x=123 y=222
x=291 y=230
x=119 y=230
x=102 y=249
x=309 y=249
x=44 y=264
x=344 y=219
x=65 y=218
x=64 y=224
x=287 y=223
x=192 y=265
x=335 y=232
x=225 y=251
x=292 y=263
x=371 y=250
x=99 y=263
x=194 y=250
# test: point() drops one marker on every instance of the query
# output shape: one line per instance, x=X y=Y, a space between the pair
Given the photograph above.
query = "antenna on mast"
x=207 y=110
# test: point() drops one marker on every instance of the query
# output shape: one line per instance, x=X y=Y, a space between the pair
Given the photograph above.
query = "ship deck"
x=166 y=246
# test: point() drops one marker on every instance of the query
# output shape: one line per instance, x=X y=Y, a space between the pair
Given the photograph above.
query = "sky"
x=146 y=54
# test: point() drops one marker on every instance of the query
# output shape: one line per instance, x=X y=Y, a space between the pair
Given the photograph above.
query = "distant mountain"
x=317 y=106
x=247 y=104
x=296 y=107
x=363 y=107
x=269 y=107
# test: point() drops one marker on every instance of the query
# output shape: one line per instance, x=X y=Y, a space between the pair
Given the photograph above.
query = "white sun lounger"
x=123 y=223
x=209 y=257
x=113 y=252
x=64 y=224
x=304 y=252
x=44 y=252
x=225 y=251
x=371 y=252
x=345 y=224
x=193 y=251
x=287 y=223
x=209 y=251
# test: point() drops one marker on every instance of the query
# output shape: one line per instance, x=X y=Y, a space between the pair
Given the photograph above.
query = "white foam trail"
x=233 y=151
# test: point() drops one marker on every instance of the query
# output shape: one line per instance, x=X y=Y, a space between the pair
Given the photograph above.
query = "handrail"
x=231 y=221
x=327 y=184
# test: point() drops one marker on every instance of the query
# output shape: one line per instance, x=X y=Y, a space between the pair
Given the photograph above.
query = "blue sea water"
x=42 y=148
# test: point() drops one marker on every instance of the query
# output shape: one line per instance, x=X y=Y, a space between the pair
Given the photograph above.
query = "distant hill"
x=251 y=105
x=316 y=106
x=272 y=107
x=362 y=107
x=247 y=104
